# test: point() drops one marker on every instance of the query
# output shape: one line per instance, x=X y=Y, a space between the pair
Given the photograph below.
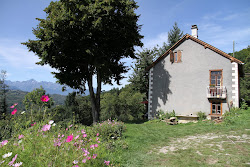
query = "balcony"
x=217 y=92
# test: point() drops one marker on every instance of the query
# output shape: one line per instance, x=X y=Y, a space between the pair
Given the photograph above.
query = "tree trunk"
x=95 y=98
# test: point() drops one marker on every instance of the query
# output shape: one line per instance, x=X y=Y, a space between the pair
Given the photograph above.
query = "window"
x=175 y=57
x=215 y=77
x=216 y=108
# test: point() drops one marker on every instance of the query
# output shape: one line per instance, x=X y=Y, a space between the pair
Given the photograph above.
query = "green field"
x=193 y=144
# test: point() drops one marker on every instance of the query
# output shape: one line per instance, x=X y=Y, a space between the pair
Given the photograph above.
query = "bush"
x=231 y=117
x=165 y=115
x=244 y=105
x=201 y=115
x=110 y=129
x=36 y=145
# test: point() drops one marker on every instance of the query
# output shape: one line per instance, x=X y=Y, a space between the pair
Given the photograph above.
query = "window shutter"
x=171 y=56
x=178 y=56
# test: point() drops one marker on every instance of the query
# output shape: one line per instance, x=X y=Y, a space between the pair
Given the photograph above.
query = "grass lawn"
x=194 y=144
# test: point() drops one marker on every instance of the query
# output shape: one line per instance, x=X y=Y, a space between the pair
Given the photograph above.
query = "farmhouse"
x=194 y=76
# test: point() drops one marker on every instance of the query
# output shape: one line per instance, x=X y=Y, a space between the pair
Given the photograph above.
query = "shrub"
x=165 y=115
x=244 y=105
x=110 y=129
x=231 y=117
x=36 y=145
x=201 y=115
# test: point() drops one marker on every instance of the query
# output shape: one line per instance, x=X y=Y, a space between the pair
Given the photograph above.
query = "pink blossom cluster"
x=80 y=141
x=15 y=110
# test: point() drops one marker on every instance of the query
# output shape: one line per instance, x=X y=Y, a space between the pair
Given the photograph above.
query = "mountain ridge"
x=30 y=85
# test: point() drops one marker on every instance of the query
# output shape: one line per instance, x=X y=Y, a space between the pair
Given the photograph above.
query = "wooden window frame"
x=177 y=56
x=221 y=84
x=211 y=110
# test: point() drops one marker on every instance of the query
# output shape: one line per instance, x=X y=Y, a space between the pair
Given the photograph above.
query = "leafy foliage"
x=3 y=92
x=201 y=115
x=85 y=38
x=139 y=78
x=123 y=105
x=165 y=115
x=244 y=56
x=109 y=129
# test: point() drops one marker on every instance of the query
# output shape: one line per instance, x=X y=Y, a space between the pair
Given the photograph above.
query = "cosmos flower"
x=46 y=127
x=7 y=155
x=20 y=136
x=45 y=98
x=51 y=122
x=4 y=142
x=69 y=138
x=107 y=162
x=13 y=160
x=14 y=112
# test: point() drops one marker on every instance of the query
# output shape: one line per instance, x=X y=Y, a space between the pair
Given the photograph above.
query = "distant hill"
x=17 y=96
x=30 y=85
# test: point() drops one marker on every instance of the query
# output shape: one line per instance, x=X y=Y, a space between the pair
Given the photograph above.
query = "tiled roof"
x=206 y=45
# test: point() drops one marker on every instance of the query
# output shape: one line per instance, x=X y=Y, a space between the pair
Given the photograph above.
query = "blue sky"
x=219 y=23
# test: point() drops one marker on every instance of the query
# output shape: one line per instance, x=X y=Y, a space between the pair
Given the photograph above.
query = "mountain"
x=30 y=85
x=17 y=96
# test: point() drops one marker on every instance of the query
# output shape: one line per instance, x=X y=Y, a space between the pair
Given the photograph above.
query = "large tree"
x=139 y=79
x=244 y=56
x=87 y=38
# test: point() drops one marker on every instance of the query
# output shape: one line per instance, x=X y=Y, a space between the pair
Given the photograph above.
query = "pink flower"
x=13 y=160
x=97 y=134
x=94 y=156
x=14 y=105
x=76 y=137
x=14 y=112
x=4 y=142
x=88 y=158
x=84 y=161
x=45 y=98
x=107 y=162
x=17 y=164
x=46 y=127
x=33 y=124
x=70 y=138
x=82 y=131
x=96 y=145
x=84 y=135
x=92 y=146
x=75 y=166
x=20 y=136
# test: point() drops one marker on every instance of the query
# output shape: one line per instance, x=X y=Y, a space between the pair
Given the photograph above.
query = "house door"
x=215 y=82
x=215 y=78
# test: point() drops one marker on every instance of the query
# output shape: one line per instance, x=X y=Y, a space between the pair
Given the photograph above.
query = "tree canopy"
x=244 y=56
x=87 y=38
x=174 y=35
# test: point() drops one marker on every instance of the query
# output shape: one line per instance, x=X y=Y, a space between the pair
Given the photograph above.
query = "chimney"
x=194 y=30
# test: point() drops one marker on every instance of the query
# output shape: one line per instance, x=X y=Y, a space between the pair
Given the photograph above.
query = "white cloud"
x=162 y=37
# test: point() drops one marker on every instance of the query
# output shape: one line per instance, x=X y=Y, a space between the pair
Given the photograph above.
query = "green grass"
x=229 y=147
x=146 y=144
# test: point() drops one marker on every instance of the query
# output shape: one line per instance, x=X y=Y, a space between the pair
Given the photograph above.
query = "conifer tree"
x=174 y=35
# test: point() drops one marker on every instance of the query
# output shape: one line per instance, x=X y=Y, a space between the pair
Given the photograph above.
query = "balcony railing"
x=219 y=92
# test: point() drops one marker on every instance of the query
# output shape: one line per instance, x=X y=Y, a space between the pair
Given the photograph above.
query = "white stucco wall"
x=182 y=86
